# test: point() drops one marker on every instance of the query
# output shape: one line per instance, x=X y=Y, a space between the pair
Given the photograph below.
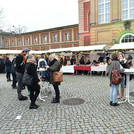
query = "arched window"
x=127 y=38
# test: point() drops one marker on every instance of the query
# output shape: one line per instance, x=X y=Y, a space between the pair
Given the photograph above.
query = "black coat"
x=32 y=70
x=20 y=66
x=8 y=65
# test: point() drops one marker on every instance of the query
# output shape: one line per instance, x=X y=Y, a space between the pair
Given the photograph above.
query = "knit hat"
x=25 y=50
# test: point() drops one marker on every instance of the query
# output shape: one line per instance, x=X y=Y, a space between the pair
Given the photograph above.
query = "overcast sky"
x=39 y=14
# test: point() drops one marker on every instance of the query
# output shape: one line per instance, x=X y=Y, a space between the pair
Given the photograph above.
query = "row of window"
x=55 y=39
x=104 y=10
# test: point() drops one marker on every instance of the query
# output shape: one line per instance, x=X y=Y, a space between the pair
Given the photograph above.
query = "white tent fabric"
x=19 y=51
x=123 y=46
x=89 y=48
x=69 y=49
x=77 y=49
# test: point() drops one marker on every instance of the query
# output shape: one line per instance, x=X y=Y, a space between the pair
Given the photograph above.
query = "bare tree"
x=17 y=29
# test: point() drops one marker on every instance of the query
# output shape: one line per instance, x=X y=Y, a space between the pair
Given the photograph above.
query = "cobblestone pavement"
x=95 y=116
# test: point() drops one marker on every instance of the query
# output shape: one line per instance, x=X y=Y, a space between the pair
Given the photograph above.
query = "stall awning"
x=122 y=46
x=77 y=49
x=89 y=48
x=19 y=51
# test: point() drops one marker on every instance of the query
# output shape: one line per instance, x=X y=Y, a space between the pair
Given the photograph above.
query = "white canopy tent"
x=122 y=46
x=69 y=49
x=19 y=51
x=77 y=49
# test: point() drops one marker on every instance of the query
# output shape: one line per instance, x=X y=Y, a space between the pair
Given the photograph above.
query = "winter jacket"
x=55 y=67
x=31 y=70
x=8 y=65
x=20 y=66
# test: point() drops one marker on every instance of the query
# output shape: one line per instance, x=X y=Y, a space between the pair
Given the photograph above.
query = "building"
x=100 y=22
x=109 y=21
x=2 y=36
x=60 y=37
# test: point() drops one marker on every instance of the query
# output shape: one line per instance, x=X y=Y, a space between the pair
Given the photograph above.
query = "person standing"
x=13 y=70
x=2 y=64
x=8 y=65
x=115 y=64
x=54 y=65
x=123 y=63
x=20 y=68
x=31 y=68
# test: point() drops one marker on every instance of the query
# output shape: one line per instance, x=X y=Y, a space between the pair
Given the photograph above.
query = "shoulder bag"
x=116 y=76
x=58 y=76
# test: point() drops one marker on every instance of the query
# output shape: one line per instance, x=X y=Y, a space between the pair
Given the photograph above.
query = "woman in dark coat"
x=31 y=68
x=8 y=65
x=54 y=65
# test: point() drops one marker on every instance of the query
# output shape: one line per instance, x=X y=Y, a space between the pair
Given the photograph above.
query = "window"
x=55 y=38
x=104 y=11
x=6 y=43
x=127 y=38
x=27 y=41
x=35 y=40
x=12 y=42
x=45 y=38
x=19 y=42
x=127 y=9
x=66 y=36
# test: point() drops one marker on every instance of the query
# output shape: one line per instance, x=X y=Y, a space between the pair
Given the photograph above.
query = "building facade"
x=100 y=22
x=111 y=21
x=61 y=37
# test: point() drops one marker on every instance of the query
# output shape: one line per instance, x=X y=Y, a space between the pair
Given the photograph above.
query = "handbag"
x=27 y=79
x=58 y=76
x=116 y=76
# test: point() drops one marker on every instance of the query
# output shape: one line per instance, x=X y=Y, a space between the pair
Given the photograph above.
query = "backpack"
x=116 y=76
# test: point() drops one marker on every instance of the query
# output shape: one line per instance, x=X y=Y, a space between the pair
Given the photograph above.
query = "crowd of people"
x=25 y=62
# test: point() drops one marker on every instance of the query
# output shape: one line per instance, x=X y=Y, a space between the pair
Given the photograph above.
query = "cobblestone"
x=95 y=116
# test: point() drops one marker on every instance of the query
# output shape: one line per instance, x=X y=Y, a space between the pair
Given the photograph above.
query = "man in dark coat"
x=20 y=68
x=2 y=65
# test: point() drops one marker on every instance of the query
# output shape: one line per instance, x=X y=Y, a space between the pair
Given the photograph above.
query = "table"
x=128 y=72
x=68 y=69
x=86 y=68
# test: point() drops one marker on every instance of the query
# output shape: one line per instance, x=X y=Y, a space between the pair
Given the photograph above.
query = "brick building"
x=59 y=37
x=100 y=22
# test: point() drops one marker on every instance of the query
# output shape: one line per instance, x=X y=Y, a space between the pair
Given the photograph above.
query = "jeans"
x=14 y=79
x=113 y=92
x=33 y=95
x=8 y=76
x=123 y=82
x=57 y=91
x=20 y=85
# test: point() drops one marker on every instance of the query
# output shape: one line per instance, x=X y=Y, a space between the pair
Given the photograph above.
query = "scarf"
x=24 y=59
x=31 y=61
x=52 y=62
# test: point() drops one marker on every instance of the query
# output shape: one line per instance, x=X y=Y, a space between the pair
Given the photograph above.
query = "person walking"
x=13 y=70
x=114 y=88
x=8 y=65
x=54 y=65
x=31 y=67
x=20 y=68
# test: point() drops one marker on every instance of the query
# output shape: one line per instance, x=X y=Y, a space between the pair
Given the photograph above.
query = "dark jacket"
x=13 y=69
x=20 y=66
x=53 y=68
x=8 y=65
x=31 y=70
x=2 y=65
